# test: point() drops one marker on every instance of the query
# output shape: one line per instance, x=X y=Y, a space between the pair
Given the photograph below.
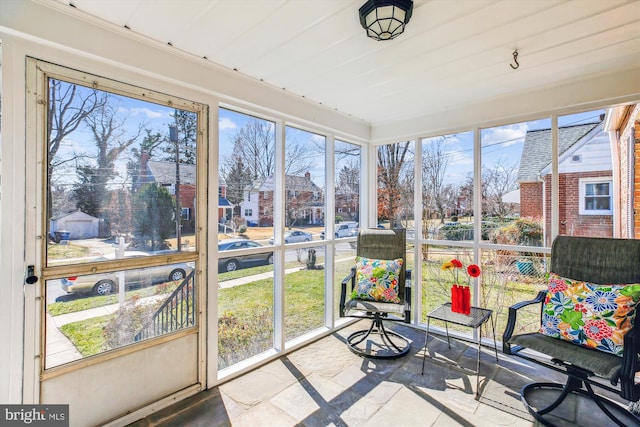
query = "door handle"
x=31 y=277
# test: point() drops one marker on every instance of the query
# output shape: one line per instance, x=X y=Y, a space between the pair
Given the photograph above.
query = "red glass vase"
x=465 y=299
x=456 y=298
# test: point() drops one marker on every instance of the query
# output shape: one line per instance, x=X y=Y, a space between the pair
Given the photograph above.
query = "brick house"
x=622 y=123
x=347 y=203
x=164 y=173
x=304 y=201
x=585 y=180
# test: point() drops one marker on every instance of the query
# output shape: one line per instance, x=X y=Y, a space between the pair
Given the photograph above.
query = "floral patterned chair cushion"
x=377 y=279
x=594 y=316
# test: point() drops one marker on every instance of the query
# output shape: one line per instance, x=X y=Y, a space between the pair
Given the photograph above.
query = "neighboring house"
x=225 y=208
x=347 y=203
x=78 y=224
x=585 y=180
x=164 y=173
x=304 y=201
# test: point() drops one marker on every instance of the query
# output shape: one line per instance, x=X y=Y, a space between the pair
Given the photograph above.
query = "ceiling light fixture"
x=385 y=19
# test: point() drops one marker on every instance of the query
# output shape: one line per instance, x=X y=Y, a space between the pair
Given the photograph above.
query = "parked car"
x=106 y=283
x=295 y=236
x=344 y=230
x=235 y=262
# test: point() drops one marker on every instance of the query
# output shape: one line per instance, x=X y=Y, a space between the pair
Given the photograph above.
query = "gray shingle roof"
x=536 y=151
x=165 y=172
x=292 y=182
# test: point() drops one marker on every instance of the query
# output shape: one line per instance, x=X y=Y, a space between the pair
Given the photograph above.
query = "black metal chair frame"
x=379 y=312
x=599 y=261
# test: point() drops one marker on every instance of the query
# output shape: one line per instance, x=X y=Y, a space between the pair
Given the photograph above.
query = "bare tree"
x=496 y=182
x=253 y=159
x=345 y=151
x=254 y=146
x=111 y=138
x=438 y=196
x=392 y=160
x=69 y=105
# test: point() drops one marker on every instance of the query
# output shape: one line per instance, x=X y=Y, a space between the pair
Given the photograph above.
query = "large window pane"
x=90 y=314
x=120 y=169
x=304 y=304
x=304 y=181
x=395 y=186
x=247 y=173
x=245 y=305
x=585 y=166
x=347 y=176
x=304 y=195
x=447 y=187
x=512 y=191
x=245 y=231
x=121 y=188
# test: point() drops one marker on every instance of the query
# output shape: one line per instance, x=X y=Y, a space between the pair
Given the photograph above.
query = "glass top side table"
x=475 y=319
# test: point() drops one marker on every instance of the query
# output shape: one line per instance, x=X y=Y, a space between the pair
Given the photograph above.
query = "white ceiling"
x=453 y=53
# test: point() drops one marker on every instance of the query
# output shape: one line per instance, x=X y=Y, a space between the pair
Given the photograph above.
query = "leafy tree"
x=187 y=122
x=150 y=143
x=238 y=178
x=153 y=220
x=88 y=198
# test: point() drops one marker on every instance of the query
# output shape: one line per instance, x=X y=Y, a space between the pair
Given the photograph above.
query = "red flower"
x=473 y=270
x=456 y=263
x=597 y=329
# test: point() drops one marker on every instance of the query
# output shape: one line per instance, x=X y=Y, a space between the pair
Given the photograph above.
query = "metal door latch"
x=31 y=277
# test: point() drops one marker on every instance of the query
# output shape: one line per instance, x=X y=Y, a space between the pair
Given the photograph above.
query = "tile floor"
x=325 y=384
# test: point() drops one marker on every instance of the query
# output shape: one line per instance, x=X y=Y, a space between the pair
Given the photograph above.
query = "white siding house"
x=78 y=224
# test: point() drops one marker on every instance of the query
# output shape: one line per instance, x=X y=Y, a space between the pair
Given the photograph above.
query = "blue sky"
x=500 y=144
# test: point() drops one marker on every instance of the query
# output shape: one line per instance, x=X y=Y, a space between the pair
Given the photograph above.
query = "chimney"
x=143 y=173
x=307 y=175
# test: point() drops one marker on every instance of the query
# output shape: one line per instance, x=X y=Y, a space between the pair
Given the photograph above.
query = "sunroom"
x=484 y=130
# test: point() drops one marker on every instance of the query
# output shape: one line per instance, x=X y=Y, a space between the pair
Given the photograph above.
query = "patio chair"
x=380 y=290
x=583 y=320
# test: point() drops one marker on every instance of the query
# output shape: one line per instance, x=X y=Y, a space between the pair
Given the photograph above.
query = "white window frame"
x=186 y=214
x=582 y=193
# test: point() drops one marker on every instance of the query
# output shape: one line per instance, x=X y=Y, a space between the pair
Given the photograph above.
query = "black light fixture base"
x=385 y=19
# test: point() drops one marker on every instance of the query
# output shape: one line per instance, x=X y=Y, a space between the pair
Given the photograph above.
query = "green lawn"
x=87 y=335
x=89 y=302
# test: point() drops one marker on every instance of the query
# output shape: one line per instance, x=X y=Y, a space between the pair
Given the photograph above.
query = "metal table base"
x=475 y=319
